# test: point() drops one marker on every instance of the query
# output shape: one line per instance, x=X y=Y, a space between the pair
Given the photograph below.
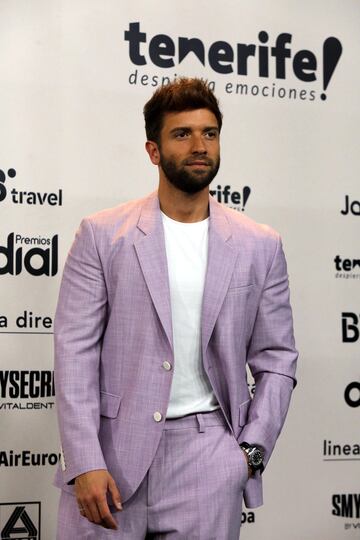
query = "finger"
x=104 y=511
x=81 y=507
x=86 y=512
x=93 y=508
x=115 y=494
x=247 y=463
x=82 y=510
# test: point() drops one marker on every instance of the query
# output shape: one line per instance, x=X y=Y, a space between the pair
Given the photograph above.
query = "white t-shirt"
x=186 y=251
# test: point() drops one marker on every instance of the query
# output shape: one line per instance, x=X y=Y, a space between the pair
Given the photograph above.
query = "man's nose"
x=198 y=145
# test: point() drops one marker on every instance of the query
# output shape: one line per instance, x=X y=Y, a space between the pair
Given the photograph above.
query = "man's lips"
x=198 y=164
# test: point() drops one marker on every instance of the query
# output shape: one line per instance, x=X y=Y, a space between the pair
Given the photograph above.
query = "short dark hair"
x=182 y=94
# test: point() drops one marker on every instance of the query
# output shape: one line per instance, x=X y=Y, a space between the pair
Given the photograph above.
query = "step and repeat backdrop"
x=74 y=78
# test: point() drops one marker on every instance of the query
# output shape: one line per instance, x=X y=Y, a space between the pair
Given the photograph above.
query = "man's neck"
x=181 y=206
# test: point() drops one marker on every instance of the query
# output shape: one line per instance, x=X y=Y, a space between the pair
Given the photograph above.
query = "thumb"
x=115 y=493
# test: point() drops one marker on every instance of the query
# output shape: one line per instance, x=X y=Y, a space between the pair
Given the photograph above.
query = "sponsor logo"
x=20 y=521
x=347 y=268
x=350 y=327
x=28 y=321
x=36 y=261
x=340 y=452
x=346 y=505
x=351 y=207
x=247 y=517
x=26 y=385
x=27 y=458
x=16 y=196
x=352 y=394
x=251 y=387
x=267 y=55
x=234 y=199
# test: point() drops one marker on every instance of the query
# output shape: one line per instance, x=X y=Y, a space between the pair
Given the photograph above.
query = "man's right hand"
x=90 y=490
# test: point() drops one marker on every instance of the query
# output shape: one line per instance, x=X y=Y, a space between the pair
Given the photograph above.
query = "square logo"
x=20 y=521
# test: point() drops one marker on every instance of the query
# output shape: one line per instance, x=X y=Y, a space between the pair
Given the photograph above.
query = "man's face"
x=189 y=149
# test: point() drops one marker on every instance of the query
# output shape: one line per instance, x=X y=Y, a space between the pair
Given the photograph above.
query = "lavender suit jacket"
x=113 y=332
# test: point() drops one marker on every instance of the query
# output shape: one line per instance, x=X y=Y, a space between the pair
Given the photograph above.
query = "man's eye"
x=181 y=134
x=210 y=134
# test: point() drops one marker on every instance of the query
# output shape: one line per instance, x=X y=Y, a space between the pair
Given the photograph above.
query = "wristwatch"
x=255 y=456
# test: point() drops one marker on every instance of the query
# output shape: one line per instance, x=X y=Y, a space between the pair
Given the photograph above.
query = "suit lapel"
x=221 y=262
x=151 y=253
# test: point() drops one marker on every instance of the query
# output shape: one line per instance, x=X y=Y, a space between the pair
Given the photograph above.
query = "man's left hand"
x=247 y=461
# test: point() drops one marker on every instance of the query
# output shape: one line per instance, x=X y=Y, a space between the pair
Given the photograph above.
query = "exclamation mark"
x=332 y=50
x=246 y=194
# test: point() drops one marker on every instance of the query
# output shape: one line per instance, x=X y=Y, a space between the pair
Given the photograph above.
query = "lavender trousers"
x=193 y=489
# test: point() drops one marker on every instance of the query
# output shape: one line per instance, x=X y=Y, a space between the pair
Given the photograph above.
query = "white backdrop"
x=72 y=138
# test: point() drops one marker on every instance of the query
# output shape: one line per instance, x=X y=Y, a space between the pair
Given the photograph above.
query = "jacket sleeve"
x=78 y=329
x=271 y=358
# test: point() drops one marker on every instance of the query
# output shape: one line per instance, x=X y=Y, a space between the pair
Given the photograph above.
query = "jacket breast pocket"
x=240 y=289
x=243 y=412
x=109 y=404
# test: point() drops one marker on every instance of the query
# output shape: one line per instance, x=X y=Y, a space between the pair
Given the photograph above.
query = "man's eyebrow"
x=189 y=128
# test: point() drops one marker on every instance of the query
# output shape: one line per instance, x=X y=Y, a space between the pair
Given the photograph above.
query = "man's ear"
x=153 y=151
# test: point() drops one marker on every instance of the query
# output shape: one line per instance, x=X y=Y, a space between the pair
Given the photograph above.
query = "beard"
x=187 y=180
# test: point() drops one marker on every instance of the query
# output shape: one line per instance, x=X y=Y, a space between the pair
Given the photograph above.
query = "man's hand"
x=90 y=491
x=247 y=461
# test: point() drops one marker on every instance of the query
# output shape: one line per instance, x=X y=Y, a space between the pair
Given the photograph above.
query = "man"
x=163 y=302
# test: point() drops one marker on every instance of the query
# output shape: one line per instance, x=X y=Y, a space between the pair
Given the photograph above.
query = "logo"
x=350 y=327
x=11 y=174
x=251 y=387
x=351 y=207
x=234 y=199
x=36 y=261
x=26 y=385
x=26 y=197
x=28 y=321
x=20 y=521
x=352 y=394
x=346 y=505
x=247 y=517
x=347 y=268
x=27 y=458
x=340 y=452
x=266 y=55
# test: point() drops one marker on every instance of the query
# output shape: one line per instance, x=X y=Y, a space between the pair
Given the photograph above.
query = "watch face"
x=256 y=457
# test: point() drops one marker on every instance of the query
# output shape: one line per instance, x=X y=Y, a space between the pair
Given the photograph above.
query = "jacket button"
x=166 y=365
x=157 y=416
